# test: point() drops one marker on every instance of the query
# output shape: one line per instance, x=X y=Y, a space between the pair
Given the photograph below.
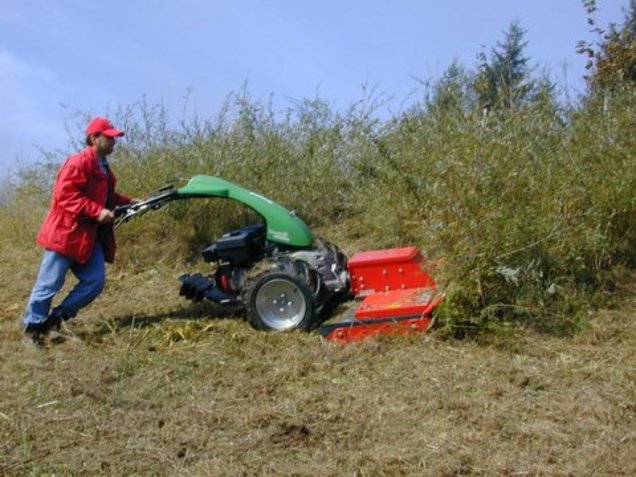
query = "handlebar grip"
x=121 y=210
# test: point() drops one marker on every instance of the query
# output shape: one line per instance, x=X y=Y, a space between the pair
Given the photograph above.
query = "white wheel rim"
x=280 y=304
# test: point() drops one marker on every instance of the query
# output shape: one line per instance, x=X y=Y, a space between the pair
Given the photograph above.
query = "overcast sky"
x=58 y=57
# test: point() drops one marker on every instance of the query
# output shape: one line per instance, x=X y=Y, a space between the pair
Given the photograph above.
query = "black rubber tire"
x=285 y=296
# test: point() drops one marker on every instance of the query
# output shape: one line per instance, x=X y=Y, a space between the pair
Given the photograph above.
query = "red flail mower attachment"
x=394 y=293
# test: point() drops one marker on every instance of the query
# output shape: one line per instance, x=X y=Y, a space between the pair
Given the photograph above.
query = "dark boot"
x=36 y=332
x=53 y=321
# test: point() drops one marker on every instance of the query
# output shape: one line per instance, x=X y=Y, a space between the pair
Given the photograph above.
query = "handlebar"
x=125 y=213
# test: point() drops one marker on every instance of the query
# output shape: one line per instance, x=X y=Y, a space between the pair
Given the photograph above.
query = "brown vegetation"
x=146 y=384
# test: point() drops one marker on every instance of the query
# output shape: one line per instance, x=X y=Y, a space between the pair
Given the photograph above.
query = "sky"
x=62 y=59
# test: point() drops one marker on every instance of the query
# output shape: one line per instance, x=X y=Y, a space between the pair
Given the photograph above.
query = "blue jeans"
x=50 y=280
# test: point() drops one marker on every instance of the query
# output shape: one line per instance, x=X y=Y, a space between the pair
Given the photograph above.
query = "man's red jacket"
x=79 y=195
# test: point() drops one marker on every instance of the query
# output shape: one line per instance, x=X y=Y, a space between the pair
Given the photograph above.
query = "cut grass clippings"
x=140 y=387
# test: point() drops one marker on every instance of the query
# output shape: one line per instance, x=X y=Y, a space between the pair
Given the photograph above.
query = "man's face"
x=104 y=145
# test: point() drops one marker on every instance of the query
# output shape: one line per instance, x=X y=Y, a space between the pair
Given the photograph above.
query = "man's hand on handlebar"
x=105 y=216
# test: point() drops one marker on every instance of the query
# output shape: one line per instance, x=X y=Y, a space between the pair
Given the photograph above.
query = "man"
x=77 y=233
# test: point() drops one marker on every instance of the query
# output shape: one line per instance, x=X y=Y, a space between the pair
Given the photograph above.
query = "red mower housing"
x=394 y=293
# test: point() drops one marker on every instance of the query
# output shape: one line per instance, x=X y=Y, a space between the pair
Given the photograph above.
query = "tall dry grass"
x=527 y=213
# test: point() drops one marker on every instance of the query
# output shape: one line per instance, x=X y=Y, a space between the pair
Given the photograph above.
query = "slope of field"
x=147 y=384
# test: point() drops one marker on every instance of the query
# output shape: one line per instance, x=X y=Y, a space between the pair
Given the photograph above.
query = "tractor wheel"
x=283 y=297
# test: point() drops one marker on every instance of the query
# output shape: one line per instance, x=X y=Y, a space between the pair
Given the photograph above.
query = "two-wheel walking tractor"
x=286 y=278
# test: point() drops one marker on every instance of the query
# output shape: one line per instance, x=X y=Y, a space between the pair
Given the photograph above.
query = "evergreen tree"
x=451 y=92
x=503 y=79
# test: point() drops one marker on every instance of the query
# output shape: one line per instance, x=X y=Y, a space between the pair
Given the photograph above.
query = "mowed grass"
x=527 y=215
x=148 y=384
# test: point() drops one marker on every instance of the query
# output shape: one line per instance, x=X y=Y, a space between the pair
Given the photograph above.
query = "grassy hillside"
x=527 y=215
x=146 y=384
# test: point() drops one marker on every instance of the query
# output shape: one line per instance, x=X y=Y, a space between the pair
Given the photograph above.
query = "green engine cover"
x=283 y=226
